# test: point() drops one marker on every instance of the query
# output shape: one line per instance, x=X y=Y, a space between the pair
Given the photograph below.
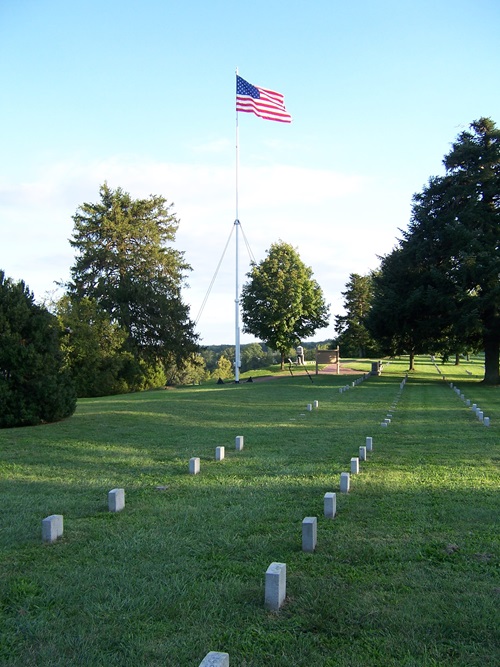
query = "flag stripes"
x=264 y=103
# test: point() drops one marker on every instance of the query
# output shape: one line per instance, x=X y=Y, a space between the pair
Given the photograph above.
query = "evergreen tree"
x=281 y=302
x=34 y=387
x=125 y=263
x=398 y=317
x=354 y=338
x=455 y=237
x=439 y=289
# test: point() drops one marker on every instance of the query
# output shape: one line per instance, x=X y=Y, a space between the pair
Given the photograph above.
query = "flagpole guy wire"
x=216 y=273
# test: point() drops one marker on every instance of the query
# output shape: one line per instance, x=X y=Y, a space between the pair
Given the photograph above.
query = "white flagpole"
x=237 y=362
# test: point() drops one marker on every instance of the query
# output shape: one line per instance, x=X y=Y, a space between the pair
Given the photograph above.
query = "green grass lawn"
x=407 y=574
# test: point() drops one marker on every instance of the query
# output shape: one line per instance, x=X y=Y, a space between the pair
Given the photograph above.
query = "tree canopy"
x=94 y=348
x=449 y=258
x=126 y=264
x=34 y=386
x=281 y=302
x=354 y=339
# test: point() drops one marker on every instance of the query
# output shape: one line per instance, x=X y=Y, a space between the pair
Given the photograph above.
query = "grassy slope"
x=406 y=574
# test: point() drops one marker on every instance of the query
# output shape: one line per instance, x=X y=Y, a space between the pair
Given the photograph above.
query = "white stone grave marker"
x=215 y=659
x=52 y=527
x=330 y=505
x=194 y=465
x=220 y=453
x=345 y=482
x=275 y=589
x=309 y=533
x=238 y=443
x=354 y=465
x=116 y=500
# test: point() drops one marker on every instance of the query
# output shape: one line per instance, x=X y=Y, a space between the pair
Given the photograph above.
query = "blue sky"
x=142 y=95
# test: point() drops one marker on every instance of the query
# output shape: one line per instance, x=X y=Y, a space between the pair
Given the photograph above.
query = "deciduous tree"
x=281 y=302
x=94 y=348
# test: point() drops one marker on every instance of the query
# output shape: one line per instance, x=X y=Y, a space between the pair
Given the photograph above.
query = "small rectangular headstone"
x=486 y=421
x=316 y=404
x=309 y=533
x=330 y=505
x=52 y=527
x=344 y=482
x=480 y=415
x=116 y=500
x=220 y=453
x=369 y=444
x=384 y=423
x=467 y=402
x=354 y=465
x=194 y=465
x=362 y=453
x=238 y=443
x=275 y=589
x=309 y=407
x=215 y=659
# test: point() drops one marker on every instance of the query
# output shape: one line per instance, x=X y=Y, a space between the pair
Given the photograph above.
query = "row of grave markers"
x=275 y=582
x=275 y=577
x=275 y=585
x=220 y=454
x=53 y=525
x=474 y=407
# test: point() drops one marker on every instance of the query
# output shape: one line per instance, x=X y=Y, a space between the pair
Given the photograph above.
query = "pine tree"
x=34 y=386
x=354 y=339
x=126 y=264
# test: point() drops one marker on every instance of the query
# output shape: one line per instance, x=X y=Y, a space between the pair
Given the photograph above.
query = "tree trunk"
x=491 y=359
x=282 y=361
x=457 y=358
x=412 y=361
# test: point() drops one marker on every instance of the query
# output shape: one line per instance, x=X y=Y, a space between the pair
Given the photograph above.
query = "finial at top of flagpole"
x=236 y=70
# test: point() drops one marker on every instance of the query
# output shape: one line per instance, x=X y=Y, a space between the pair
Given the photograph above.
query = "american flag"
x=263 y=103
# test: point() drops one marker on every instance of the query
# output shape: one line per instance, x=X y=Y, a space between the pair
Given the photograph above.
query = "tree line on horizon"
x=123 y=326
